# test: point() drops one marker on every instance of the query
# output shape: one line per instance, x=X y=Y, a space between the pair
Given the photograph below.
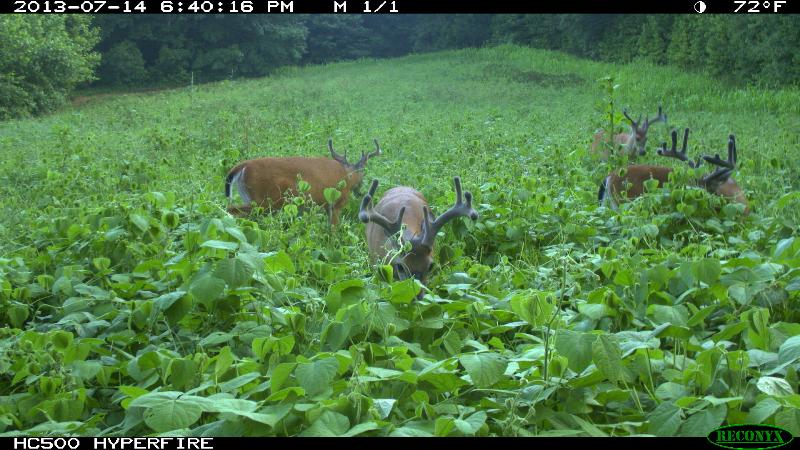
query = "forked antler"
x=674 y=153
x=336 y=156
x=364 y=158
x=660 y=117
x=459 y=209
x=724 y=167
x=634 y=123
x=366 y=214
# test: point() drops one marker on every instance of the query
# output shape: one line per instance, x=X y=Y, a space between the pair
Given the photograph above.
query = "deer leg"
x=333 y=215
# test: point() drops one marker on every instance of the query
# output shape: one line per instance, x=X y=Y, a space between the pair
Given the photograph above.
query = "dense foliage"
x=131 y=304
x=746 y=49
x=167 y=51
x=42 y=58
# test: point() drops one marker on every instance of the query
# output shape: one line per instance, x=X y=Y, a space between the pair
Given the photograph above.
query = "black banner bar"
x=761 y=7
x=215 y=443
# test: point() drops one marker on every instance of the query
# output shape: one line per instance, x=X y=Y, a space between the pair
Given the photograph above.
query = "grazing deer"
x=408 y=207
x=632 y=143
x=718 y=182
x=265 y=181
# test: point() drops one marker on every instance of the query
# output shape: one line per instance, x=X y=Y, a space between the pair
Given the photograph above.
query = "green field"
x=132 y=304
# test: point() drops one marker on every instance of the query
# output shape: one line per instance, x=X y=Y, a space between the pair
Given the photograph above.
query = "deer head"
x=718 y=182
x=639 y=130
x=409 y=213
x=356 y=170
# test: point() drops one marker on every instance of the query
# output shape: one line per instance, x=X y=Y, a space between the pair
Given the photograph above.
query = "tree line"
x=44 y=58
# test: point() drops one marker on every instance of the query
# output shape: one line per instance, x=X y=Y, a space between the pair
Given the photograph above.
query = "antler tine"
x=724 y=168
x=660 y=117
x=460 y=208
x=732 y=149
x=625 y=113
x=365 y=157
x=377 y=151
x=674 y=153
x=336 y=156
x=428 y=230
x=367 y=215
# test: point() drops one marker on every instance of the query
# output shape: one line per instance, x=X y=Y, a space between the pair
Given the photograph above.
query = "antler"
x=341 y=159
x=461 y=208
x=367 y=215
x=674 y=153
x=634 y=123
x=364 y=158
x=660 y=117
x=725 y=167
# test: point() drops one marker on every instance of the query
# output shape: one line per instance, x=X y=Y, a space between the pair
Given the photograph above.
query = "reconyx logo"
x=750 y=437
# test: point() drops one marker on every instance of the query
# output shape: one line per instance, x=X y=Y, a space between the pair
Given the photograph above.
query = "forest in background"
x=43 y=59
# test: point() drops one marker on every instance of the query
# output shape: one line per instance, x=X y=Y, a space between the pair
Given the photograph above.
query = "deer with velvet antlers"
x=632 y=143
x=718 y=182
x=264 y=182
x=405 y=209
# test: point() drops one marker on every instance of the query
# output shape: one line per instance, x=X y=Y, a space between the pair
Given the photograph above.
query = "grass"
x=125 y=280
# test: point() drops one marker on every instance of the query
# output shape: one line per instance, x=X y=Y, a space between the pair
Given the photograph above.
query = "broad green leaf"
x=664 y=420
x=703 y=422
x=315 y=377
x=163 y=302
x=328 y=424
x=576 y=347
x=404 y=291
x=220 y=245
x=774 y=386
x=344 y=293
x=485 y=369
x=361 y=428
x=207 y=288
x=763 y=410
x=279 y=375
x=270 y=415
x=384 y=406
x=172 y=415
x=234 y=272
x=707 y=271
x=607 y=356
x=471 y=424
x=279 y=262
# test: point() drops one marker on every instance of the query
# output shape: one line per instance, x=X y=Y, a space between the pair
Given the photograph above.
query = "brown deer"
x=719 y=182
x=407 y=206
x=264 y=182
x=632 y=143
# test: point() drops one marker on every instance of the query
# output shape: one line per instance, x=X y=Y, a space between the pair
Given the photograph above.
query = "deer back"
x=267 y=180
x=731 y=191
x=631 y=183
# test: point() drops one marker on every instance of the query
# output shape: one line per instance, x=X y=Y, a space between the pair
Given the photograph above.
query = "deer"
x=718 y=182
x=405 y=210
x=263 y=182
x=632 y=143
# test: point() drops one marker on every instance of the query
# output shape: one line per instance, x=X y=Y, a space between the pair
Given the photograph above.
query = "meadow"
x=132 y=304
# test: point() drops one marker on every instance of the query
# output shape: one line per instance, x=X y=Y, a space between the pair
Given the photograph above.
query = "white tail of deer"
x=616 y=188
x=407 y=206
x=265 y=182
x=632 y=143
